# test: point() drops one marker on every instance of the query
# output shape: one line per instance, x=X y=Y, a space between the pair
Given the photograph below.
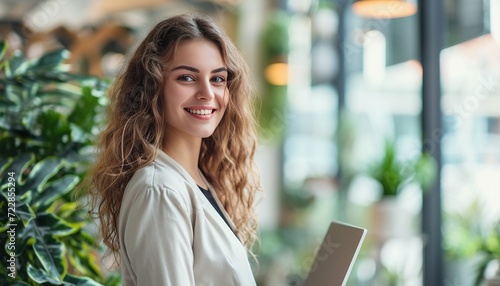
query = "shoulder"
x=162 y=180
x=157 y=175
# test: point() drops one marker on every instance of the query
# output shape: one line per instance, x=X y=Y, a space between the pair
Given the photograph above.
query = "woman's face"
x=195 y=92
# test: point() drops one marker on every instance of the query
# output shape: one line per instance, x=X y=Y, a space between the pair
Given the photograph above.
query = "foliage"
x=47 y=123
x=272 y=102
x=462 y=239
x=490 y=248
x=393 y=174
x=45 y=109
x=40 y=221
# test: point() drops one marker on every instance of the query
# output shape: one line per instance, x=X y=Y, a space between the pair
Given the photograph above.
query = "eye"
x=218 y=79
x=185 y=78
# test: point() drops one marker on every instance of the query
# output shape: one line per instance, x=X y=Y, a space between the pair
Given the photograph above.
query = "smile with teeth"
x=200 y=111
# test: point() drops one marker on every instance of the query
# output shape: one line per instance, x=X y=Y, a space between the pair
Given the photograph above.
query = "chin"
x=205 y=134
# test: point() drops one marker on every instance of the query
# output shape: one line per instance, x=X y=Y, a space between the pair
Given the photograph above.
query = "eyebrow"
x=221 y=69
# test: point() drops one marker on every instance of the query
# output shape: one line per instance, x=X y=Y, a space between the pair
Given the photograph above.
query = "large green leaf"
x=71 y=280
x=55 y=190
x=45 y=229
x=85 y=111
x=50 y=253
x=51 y=60
x=20 y=72
x=3 y=49
x=4 y=164
x=54 y=128
x=57 y=75
x=55 y=98
x=24 y=211
x=13 y=64
x=83 y=253
x=31 y=87
x=113 y=279
x=17 y=167
x=40 y=276
x=6 y=103
x=48 y=225
x=42 y=172
x=66 y=209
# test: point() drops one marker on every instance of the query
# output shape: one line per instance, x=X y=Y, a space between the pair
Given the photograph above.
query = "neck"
x=186 y=152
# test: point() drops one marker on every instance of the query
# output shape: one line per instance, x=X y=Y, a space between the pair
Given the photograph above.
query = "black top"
x=211 y=199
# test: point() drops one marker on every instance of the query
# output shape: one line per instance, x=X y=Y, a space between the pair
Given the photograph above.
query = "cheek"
x=173 y=99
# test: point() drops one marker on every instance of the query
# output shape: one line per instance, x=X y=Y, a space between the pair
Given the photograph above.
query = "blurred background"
x=382 y=114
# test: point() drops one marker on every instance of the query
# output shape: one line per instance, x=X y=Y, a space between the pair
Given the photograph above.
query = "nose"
x=205 y=91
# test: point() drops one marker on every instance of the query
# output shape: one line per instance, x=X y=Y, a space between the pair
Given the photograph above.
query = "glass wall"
x=471 y=153
x=340 y=114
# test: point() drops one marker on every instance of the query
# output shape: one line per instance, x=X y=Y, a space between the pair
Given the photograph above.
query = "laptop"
x=336 y=255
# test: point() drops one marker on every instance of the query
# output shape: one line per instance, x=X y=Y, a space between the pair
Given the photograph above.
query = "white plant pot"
x=493 y=281
x=461 y=271
x=389 y=219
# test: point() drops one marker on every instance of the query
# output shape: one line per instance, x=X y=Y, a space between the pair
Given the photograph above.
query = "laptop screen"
x=336 y=255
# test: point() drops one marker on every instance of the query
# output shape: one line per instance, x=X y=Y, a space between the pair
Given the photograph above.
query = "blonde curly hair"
x=135 y=126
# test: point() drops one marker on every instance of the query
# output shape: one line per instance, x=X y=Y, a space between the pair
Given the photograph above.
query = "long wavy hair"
x=135 y=127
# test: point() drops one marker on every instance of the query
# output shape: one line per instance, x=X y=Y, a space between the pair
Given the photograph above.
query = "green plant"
x=47 y=123
x=45 y=229
x=44 y=108
x=463 y=231
x=490 y=249
x=272 y=103
x=393 y=174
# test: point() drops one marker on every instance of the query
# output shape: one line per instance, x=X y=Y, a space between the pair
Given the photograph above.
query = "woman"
x=174 y=179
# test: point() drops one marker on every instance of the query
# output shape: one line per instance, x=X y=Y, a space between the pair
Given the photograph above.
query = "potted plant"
x=47 y=120
x=490 y=249
x=462 y=241
x=389 y=217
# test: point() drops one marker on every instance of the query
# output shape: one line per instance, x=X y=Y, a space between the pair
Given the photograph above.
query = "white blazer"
x=170 y=234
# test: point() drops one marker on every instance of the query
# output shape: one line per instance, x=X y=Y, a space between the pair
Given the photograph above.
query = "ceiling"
x=44 y=15
x=15 y=9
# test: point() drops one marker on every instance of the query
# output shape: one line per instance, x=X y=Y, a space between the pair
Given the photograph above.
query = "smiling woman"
x=174 y=180
x=195 y=93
